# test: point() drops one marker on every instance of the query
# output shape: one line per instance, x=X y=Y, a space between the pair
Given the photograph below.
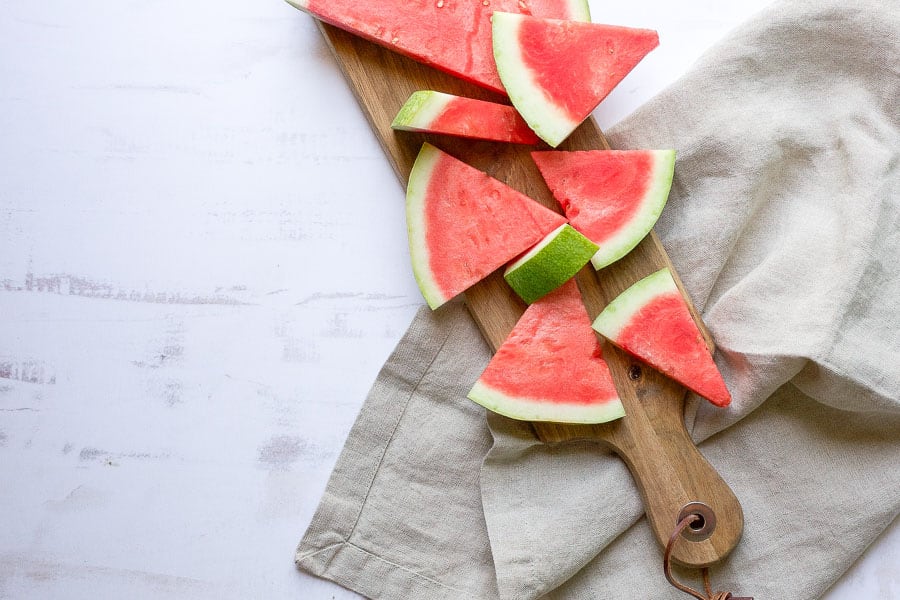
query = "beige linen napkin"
x=784 y=223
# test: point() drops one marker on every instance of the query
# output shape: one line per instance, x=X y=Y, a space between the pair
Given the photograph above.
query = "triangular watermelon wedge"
x=556 y=72
x=551 y=368
x=651 y=321
x=451 y=35
x=463 y=224
x=429 y=111
x=613 y=197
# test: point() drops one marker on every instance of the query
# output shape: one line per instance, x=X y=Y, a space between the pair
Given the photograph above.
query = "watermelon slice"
x=451 y=35
x=556 y=72
x=463 y=224
x=614 y=197
x=435 y=112
x=549 y=264
x=551 y=368
x=651 y=321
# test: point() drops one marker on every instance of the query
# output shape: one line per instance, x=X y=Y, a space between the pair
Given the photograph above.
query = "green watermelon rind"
x=579 y=10
x=528 y=409
x=618 y=313
x=545 y=118
x=654 y=202
x=420 y=110
x=416 y=194
x=550 y=263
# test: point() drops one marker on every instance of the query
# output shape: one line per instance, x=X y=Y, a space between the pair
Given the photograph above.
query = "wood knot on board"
x=634 y=372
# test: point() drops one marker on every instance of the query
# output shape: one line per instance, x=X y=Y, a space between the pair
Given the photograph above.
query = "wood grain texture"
x=667 y=467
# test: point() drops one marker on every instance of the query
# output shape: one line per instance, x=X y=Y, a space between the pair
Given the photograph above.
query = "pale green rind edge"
x=420 y=110
x=648 y=214
x=579 y=10
x=618 y=313
x=549 y=123
x=523 y=409
x=416 y=193
x=555 y=260
x=301 y=4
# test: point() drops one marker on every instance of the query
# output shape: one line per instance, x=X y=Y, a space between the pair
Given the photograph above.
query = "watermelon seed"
x=634 y=372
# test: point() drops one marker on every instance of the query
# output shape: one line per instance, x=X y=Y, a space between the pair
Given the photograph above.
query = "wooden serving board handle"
x=666 y=465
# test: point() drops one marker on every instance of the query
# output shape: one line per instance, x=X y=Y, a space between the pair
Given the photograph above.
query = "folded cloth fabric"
x=784 y=223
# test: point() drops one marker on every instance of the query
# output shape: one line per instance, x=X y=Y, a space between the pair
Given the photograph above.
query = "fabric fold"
x=401 y=515
x=810 y=506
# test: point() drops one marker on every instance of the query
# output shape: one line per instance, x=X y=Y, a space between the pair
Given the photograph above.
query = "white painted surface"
x=203 y=265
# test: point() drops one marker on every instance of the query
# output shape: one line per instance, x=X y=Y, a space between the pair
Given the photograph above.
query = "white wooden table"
x=203 y=265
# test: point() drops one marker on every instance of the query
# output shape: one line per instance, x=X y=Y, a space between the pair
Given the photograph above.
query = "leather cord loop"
x=667 y=567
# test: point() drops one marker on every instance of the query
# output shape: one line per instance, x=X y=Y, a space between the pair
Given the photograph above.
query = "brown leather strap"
x=667 y=567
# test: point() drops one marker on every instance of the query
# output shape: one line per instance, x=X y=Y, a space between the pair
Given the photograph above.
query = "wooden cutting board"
x=667 y=468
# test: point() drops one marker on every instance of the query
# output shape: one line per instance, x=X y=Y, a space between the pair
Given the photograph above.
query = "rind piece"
x=416 y=192
x=421 y=110
x=436 y=112
x=526 y=409
x=549 y=264
x=651 y=321
x=613 y=197
x=451 y=35
x=463 y=225
x=557 y=71
x=551 y=368
x=578 y=10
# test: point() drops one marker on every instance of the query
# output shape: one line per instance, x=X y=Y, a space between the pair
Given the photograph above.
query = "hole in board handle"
x=703 y=526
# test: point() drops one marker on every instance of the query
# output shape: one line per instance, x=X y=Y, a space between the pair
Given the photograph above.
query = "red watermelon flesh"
x=436 y=112
x=557 y=71
x=451 y=35
x=613 y=197
x=463 y=224
x=651 y=321
x=551 y=367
